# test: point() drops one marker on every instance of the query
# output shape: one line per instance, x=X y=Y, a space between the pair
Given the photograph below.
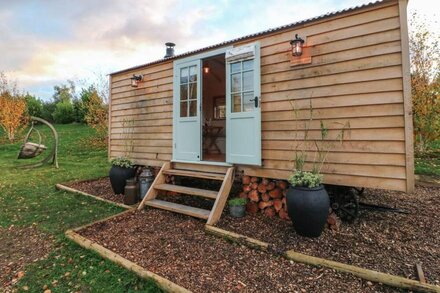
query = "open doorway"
x=214 y=109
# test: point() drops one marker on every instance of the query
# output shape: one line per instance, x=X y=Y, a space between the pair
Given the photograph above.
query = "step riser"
x=200 y=168
x=192 y=174
x=188 y=190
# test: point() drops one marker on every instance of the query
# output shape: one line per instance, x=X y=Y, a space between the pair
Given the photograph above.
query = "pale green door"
x=186 y=112
x=243 y=111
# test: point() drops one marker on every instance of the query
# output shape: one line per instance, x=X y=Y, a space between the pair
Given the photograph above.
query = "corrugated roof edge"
x=272 y=30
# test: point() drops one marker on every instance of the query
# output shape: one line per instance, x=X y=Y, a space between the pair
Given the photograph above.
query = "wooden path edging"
x=72 y=190
x=370 y=275
x=163 y=283
x=427 y=181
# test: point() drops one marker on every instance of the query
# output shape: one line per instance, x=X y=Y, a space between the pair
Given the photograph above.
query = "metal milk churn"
x=145 y=179
x=131 y=192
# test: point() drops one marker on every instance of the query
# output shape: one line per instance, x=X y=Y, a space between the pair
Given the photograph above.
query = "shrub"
x=305 y=179
x=425 y=83
x=12 y=114
x=63 y=113
x=237 y=201
x=48 y=110
x=96 y=113
x=122 y=162
x=34 y=106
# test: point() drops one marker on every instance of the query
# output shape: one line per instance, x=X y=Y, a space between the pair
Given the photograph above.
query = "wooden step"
x=200 y=167
x=188 y=190
x=196 y=174
x=178 y=208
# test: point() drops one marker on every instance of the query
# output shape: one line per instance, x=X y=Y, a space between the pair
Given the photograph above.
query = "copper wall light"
x=135 y=80
x=297 y=46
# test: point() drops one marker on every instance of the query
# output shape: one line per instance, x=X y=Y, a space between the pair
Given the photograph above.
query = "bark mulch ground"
x=387 y=242
x=19 y=247
x=177 y=248
x=98 y=187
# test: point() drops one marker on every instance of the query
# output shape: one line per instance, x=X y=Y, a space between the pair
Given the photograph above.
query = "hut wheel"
x=344 y=202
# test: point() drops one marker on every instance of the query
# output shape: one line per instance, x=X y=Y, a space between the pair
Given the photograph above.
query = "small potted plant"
x=307 y=203
x=121 y=170
x=237 y=207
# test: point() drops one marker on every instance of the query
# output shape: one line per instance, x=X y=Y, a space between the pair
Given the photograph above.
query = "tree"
x=97 y=114
x=80 y=105
x=34 y=106
x=12 y=108
x=425 y=78
x=64 y=92
x=48 y=109
x=63 y=113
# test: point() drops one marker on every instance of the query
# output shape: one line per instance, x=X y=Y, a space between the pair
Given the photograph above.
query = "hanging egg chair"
x=31 y=150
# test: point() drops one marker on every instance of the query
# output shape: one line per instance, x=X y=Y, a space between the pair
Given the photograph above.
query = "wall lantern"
x=206 y=68
x=135 y=80
x=297 y=46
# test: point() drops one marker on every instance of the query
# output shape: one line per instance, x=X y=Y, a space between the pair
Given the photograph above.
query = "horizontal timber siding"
x=355 y=76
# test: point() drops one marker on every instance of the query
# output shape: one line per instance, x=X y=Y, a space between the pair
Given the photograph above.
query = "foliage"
x=237 y=201
x=122 y=162
x=12 y=108
x=48 y=109
x=63 y=113
x=308 y=143
x=428 y=162
x=305 y=179
x=96 y=114
x=34 y=106
x=425 y=82
x=64 y=92
x=28 y=198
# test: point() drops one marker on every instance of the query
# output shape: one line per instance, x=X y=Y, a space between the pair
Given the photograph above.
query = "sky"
x=44 y=43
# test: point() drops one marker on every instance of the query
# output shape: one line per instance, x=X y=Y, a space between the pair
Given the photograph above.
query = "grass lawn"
x=428 y=163
x=28 y=198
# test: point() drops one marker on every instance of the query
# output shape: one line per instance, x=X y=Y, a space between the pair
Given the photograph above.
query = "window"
x=188 y=91
x=242 y=86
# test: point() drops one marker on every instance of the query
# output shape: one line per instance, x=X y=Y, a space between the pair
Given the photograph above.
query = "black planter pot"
x=118 y=177
x=237 y=211
x=308 y=208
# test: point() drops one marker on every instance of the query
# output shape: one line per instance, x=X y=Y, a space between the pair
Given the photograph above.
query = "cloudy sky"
x=46 y=42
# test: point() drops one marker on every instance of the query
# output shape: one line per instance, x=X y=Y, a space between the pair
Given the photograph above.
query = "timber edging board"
x=427 y=181
x=163 y=283
x=72 y=190
x=370 y=275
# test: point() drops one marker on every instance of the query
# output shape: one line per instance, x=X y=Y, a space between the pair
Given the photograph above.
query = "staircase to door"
x=208 y=172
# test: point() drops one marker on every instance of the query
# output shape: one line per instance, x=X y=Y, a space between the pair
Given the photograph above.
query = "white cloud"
x=51 y=41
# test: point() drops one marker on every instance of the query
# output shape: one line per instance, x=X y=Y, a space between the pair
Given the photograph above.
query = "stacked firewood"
x=266 y=196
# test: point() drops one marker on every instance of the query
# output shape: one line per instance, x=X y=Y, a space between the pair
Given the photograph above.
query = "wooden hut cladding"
x=359 y=72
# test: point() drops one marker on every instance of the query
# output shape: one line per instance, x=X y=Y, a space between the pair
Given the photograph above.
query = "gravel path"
x=177 y=247
x=386 y=242
x=99 y=187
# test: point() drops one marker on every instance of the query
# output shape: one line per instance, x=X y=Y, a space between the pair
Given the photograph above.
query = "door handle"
x=255 y=101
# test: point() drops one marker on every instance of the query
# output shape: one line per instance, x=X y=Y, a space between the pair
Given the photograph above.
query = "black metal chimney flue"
x=170 y=50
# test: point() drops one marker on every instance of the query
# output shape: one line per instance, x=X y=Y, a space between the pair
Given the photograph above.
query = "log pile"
x=265 y=196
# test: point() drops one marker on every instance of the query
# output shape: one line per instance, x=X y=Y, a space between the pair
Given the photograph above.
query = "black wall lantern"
x=297 y=46
x=135 y=80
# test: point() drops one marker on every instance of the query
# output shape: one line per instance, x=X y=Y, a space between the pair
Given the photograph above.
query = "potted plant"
x=307 y=200
x=121 y=170
x=237 y=207
x=307 y=203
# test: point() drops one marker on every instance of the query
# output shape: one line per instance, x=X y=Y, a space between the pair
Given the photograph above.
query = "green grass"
x=28 y=197
x=428 y=163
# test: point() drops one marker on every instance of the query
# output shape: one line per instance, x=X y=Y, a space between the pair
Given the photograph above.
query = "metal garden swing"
x=31 y=150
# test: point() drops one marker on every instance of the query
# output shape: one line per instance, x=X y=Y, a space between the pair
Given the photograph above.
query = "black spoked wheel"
x=344 y=202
